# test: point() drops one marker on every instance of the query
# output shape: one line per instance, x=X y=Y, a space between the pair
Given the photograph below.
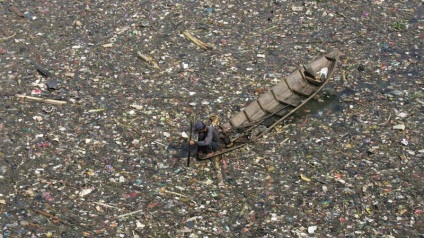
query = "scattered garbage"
x=97 y=97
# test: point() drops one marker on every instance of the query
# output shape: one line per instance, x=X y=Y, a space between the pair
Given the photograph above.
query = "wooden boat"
x=274 y=106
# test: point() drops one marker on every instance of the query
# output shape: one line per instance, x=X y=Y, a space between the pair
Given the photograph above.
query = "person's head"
x=199 y=127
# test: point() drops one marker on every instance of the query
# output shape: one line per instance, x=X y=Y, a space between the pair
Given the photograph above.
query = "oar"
x=189 y=139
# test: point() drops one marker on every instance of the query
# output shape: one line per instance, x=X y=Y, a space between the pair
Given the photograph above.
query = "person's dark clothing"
x=208 y=141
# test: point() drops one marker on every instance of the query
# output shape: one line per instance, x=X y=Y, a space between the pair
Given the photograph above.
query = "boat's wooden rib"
x=270 y=103
x=281 y=101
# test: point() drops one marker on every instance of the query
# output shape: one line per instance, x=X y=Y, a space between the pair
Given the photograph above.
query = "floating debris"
x=104 y=152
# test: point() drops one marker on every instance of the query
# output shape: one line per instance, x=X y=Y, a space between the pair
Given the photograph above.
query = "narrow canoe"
x=275 y=105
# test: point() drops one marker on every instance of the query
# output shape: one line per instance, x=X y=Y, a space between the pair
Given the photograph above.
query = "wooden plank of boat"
x=281 y=101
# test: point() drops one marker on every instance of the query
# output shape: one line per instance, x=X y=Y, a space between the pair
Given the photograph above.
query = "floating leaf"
x=368 y=210
x=184 y=199
x=304 y=178
x=402 y=211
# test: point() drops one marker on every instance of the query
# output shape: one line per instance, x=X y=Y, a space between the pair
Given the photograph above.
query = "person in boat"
x=208 y=139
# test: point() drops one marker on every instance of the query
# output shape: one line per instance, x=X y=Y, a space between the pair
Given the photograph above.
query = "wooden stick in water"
x=189 y=140
x=196 y=41
x=46 y=100
x=148 y=59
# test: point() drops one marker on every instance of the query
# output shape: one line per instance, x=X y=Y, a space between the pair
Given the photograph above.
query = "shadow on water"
x=331 y=100
x=181 y=149
x=315 y=107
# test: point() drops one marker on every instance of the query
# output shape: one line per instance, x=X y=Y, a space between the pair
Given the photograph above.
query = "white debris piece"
x=399 y=127
x=402 y=115
x=137 y=107
x=85 y=192
x=312 y=229
x=184 y=135
x=166 y=134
